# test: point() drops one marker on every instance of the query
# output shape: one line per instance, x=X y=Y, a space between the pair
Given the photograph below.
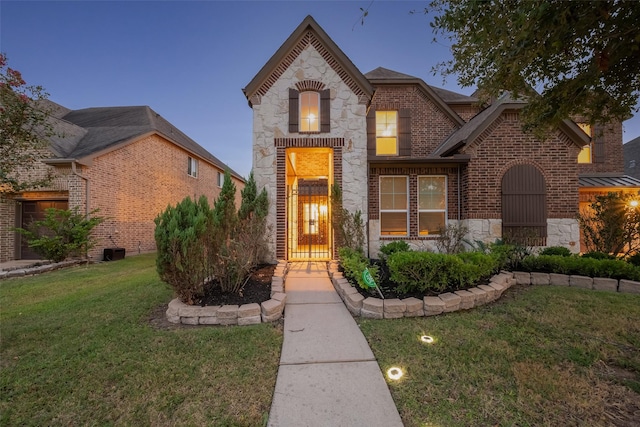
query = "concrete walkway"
x=327 y=375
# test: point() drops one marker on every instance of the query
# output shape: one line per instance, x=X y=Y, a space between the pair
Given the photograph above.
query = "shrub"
x=393 y=247
x=354 y=263
x=634 y=259
x=348 y=227
x=591 y=267
x=424 y=271
x=62 y=233
x=476 y=266
x=451 y=238
x=597 y=255
x=556 y=250
x=182 y=239
x=508 y=256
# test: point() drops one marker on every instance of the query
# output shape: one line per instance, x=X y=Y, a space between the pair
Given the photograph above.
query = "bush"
x=591 y=267
x=393 y=247
x=477 y=266
x=354 y=263
x=62 y=233
x=597 y=255
x=451 y=238
x=348 y=227
x=508 y=256
x=182 y=240
x=556 y=250
x=634 y=260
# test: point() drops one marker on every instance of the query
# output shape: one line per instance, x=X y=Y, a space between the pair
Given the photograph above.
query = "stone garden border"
x=246 y=314
x=377 y=308
x=41 y=267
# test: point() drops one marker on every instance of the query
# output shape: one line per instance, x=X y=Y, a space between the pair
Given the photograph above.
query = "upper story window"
x=309 y=111
x=386 y=133
x=585 y=155
x=432 y=204
x=192 y=167
x=220 y=179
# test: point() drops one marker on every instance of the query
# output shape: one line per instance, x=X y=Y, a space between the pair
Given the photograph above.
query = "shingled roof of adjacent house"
x=89 y=132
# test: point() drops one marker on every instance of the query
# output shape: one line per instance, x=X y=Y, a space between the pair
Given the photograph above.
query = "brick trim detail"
x=307 y=85
x=308 y=142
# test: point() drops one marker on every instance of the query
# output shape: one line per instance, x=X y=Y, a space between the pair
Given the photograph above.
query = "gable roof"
x=307 y=33
x=481 y=121
x=90 y=132
x=384 y=76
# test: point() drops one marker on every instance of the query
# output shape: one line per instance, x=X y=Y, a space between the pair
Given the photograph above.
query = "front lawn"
x=544 y=355
x=78 y=348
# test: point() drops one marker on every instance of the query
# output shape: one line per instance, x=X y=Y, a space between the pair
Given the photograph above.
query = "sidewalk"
x=328 y=375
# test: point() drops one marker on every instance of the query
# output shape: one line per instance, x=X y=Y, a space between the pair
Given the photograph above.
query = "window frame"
x=587 y=129
x=192 y=167
x=395 y=135
x=445 y=210
x=220 y=179
x=406 y=209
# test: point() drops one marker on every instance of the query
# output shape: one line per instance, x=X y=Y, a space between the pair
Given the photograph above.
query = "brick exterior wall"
x=504 y=145
x=466 y=112
x=429 y=125
x=130 y=186
x=7 y=237
x=613 y=153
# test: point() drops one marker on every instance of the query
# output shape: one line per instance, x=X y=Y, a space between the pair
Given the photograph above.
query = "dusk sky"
x=189 y=60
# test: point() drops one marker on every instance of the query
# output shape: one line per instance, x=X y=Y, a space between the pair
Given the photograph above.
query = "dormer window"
x=386 y=133
x=309 y=111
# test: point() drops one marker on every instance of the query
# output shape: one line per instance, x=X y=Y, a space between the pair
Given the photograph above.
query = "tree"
x=570 y=58
x=24 y=129
x=611 y=224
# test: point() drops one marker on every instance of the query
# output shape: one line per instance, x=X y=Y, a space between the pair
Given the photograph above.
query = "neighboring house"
x=128 y=162
x=412 y=158
x=632 y=158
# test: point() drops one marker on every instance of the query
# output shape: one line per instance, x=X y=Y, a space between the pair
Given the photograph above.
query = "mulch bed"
x=257 y=289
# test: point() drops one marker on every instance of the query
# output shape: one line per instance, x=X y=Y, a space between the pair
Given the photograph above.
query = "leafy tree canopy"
x=24 y=129
x=581 y=57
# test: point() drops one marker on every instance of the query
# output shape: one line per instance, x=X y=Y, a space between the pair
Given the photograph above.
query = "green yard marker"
x=370 y=282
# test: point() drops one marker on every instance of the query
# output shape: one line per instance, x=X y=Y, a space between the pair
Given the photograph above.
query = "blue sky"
x=189 y=60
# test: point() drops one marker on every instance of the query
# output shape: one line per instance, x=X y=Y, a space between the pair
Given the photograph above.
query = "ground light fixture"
x=394 y=373
x=427 y=339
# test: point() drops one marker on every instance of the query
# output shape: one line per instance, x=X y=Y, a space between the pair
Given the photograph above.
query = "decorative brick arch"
x=313 y=85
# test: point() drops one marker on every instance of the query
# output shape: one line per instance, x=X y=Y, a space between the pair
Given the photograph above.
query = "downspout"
x=459 y=207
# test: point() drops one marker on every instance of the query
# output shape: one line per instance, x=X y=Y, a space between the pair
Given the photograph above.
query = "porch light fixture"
x=394 y=373
x=427 y=339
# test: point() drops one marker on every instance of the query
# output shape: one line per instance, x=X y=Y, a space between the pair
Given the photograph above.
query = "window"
x=309 y=111
x=394 y=206
x=386 y=133
x=192 y=167
x=432 y=204
x=220 y=179
x=585 y=153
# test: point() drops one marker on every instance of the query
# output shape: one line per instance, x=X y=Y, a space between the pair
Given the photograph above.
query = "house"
x=412 y=158
x=632 y=158
x=128 y=162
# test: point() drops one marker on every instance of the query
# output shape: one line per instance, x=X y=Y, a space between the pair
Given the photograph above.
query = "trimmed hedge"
x=592 y=267
x=354 y=263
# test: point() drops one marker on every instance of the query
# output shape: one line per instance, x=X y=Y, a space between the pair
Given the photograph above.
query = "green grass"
x=77 y=348
x=539 y=356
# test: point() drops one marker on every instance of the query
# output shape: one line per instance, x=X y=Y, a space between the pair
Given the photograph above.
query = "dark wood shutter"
x=524 y=205
x=371 y=132
x=325 y=111
x=294 y=110
x=404 y=132
x=598 y=144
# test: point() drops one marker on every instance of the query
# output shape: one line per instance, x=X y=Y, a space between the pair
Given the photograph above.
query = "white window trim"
x=407 y=210
x=220 y=179
x=446 y=201
x=192 y=167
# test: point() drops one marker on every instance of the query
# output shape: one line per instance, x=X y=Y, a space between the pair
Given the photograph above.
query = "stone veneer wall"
x=271 y=123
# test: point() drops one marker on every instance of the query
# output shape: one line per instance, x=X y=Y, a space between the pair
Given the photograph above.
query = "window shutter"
x=371 y=132
x=404 y=132
x=598 y=144
x=294 y=113
x=325 y=111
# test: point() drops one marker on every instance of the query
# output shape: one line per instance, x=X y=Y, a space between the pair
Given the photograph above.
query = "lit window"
x=432 y=204
x=393 y=205
x=386 y=133
x=311 y=215
x=220 y=179
x=585 y=154
x=309 y=111
x=192 y=167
